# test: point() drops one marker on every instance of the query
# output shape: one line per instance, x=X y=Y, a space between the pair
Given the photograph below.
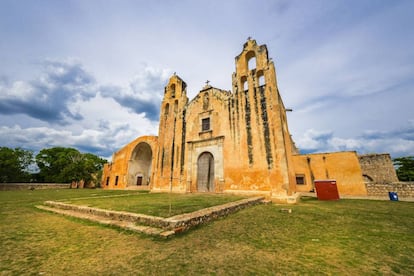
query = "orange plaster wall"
x=344 y=167
x=119 y=165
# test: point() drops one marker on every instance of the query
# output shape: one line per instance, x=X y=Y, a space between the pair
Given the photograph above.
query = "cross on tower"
x=207 y=82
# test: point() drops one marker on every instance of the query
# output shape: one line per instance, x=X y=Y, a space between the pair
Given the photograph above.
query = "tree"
x=405 y=168
x=65 y=165
x=52 y=162
x=15 y=164
x=93 y=166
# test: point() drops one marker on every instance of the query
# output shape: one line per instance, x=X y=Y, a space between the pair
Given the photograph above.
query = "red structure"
x=326 y=189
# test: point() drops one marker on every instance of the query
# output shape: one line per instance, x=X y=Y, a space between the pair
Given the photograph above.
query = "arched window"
x=173 y=90
x=176 y=106
x=244 y=83
x=167 y=109
x=261 y=79
x=252 y=63
x=251 y=60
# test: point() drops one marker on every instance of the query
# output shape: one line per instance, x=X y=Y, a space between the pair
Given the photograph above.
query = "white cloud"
x=314 y=139
x=103 y=123
x=396 y=142
x=49 y=97
x=144 y=93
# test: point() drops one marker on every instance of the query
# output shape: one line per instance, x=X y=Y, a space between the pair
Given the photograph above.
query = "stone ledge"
x=151 y=225
x=189 y=220
x=115 y=215
x=105 y=221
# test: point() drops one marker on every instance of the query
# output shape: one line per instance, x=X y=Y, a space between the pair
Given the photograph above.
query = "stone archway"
x=205 y=172
x=139 y=170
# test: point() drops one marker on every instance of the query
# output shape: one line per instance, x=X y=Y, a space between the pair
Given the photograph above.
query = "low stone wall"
x=177 y=223
x=403 y=189
x=115 y=215
x=187 y=221
x=32 y=186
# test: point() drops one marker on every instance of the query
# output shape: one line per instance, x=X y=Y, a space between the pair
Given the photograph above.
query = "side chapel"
x=229 y=142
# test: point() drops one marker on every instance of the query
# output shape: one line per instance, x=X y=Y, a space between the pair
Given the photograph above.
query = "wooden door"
x=205 y=173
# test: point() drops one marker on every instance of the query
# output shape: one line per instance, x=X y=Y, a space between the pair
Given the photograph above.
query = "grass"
x=157 y=204
x=346 y=237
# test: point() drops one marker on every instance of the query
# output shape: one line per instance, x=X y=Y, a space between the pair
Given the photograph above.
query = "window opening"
x=245 y=86
x=205 y=124
x=107 y=181
x=252 y=63
x=176 y=106
x=116 y=181
x=300 y=180
x=167 y=109
x=261 y=80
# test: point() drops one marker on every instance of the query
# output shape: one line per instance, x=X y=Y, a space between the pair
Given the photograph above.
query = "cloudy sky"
x=91 y=74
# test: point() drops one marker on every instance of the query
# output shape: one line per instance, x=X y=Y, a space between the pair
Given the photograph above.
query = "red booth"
x=326 y=189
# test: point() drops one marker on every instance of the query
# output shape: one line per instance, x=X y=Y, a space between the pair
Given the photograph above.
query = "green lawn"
x=157 y=204
x=346 y=237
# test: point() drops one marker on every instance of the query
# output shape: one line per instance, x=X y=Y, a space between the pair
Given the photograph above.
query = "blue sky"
x=91 y=74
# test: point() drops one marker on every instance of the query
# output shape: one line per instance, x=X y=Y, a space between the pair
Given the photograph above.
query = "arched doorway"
x=139 y=170
x=205 y=172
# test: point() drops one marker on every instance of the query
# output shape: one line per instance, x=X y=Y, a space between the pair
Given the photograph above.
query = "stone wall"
x=32 y=186
x=377 y=168
x=403 y=189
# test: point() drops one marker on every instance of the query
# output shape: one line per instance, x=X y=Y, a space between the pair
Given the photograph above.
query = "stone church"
x=230 y=142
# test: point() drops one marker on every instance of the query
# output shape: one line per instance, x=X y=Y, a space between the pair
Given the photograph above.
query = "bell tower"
x=171 y=137
x=264 y=137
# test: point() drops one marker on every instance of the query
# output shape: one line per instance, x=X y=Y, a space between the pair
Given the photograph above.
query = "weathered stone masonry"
x=403 y=189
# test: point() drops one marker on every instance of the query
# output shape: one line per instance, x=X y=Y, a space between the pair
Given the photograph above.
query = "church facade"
x=229 y=142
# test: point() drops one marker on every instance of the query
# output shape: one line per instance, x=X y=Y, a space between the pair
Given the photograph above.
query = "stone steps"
x=150 y=225
x=148 y=230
